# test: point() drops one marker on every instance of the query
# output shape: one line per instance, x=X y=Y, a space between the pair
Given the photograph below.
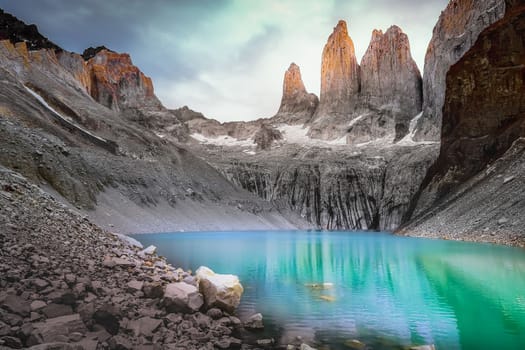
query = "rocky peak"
x=297 y=105
x=339 y=74
x=456 y=31
x=117 y=83
x=390 y=78
x=293 y=83
x=91 y=52
x=14 y=30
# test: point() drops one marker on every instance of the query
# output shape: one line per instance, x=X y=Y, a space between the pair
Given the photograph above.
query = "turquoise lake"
x=386 y=291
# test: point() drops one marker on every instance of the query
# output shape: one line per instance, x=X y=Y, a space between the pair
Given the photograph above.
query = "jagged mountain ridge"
x=55 y=132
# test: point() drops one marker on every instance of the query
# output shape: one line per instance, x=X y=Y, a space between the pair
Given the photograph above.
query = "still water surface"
x=384 y=290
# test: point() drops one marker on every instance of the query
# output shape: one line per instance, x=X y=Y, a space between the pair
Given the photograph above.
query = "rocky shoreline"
x=67 y=284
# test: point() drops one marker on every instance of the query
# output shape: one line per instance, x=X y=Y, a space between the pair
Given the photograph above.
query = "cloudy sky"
x=225 y=58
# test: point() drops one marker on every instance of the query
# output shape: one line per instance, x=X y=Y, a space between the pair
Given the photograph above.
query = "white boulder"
x=221 y=291
x=182 y=297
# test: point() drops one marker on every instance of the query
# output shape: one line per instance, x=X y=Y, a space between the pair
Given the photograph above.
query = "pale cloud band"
x=225 y=58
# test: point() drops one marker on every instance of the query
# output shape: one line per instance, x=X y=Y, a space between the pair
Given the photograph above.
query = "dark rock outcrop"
x=265 y=136
x=483 y=119
x=390 y=78
x=186 y=114
x=14 y=30
x=91 y=52
x=297 y=105
x=456 y=31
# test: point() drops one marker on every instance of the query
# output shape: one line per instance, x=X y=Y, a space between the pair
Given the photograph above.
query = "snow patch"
x=222 y=140
x=408 y=140
x=247 y=151
x=45 y=104
x=65 y=118
x=354 y=121
x=298 y=134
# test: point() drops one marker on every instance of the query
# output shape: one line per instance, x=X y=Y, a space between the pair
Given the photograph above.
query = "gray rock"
x=153 y=290
x=144 y=326
x=180 y=296
x=306 y=347
x=40 y=283
x=135 y=286
x=254 y=322
x=214 y=313
x=52 y=328
x=12 y=342
x=108 y=316
x=56 y=310
x=37 y=305
x=150 y=250
x=76 y=336
x=120 y=343
x=17 y=305
x=56 y=346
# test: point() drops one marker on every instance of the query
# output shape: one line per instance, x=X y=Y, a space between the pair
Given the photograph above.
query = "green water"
x=387 y=291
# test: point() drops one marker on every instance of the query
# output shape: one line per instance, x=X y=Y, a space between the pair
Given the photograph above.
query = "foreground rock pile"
x=66 y=284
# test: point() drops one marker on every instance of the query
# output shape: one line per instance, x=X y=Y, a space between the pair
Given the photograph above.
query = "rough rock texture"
x=14 y=30
x=54 y=133
x=219 y=290
x=456 y=31
x=339 y=80
x=390 y=78
x=339 y=73
x=483 y=116
x=297 y=105
x=334 y=189
x=52 y=256
x=180 y=296
x=117 y=83
x=265 y=136
x=186 y=114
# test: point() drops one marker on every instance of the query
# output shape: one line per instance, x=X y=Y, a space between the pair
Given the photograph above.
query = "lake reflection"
x=383 y=290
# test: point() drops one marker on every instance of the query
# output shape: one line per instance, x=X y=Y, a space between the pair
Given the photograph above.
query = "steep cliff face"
x=334 y=189
x=339 y=82
x=390 y=78
x=297 y=105
x=483 y=119
x=117 y=83
x=456 y=31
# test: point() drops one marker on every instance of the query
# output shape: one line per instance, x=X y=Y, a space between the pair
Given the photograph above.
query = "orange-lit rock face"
x=116 y=83
x=389 y=75
x=297 y=105
x=293 y=83
x=454 y=34
x=339 y=74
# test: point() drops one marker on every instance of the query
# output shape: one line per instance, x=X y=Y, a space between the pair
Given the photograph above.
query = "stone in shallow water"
x=254 y=322
x=355 y=344
x=221 y=291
